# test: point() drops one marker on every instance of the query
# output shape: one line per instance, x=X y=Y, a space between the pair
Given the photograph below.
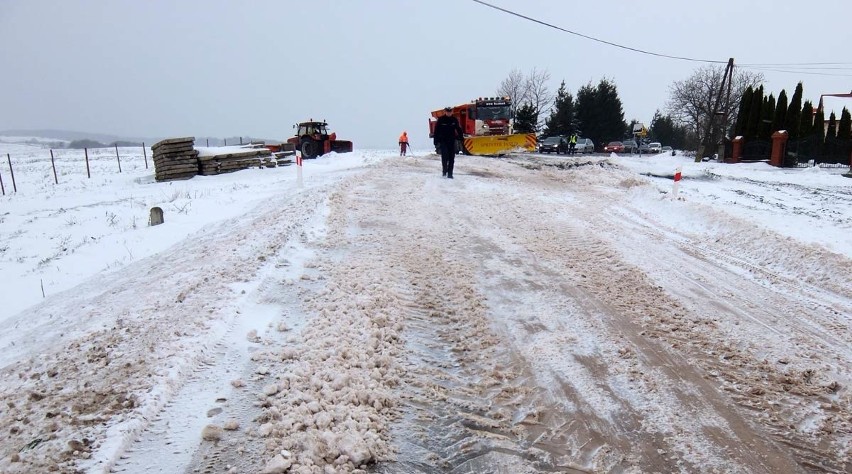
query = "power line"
x=766 y=66
x=793 y=71
x=797 y=64
x=682 y=58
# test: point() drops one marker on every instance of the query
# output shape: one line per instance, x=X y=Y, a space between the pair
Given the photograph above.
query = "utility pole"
x=709 y=131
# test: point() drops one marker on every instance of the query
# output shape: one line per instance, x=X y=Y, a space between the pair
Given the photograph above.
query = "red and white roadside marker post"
x=299 y=168
x=677 y=178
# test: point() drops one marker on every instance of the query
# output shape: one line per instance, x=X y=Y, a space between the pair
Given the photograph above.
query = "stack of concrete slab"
x=230 y=159
x=175 y=158
x=284 y=154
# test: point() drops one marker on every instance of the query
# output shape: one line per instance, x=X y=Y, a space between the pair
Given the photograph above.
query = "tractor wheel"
x=309 y=148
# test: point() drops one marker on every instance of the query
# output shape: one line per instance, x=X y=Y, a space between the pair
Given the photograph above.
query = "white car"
x=655 y=147
x=584 y=145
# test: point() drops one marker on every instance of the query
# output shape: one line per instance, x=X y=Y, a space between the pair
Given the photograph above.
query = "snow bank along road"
x=524 y=317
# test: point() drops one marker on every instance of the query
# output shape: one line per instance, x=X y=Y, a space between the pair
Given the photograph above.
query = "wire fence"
x=53 y=165
x=36 y=168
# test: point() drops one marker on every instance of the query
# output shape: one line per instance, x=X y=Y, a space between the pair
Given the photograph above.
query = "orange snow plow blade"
x=499 y=144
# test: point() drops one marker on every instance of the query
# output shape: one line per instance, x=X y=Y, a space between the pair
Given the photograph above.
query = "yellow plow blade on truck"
x=499 y=144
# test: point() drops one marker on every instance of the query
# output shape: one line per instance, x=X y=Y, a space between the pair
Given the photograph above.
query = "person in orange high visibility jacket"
x=403 y=143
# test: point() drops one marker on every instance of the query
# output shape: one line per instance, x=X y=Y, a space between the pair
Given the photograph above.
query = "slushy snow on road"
x=535 y=314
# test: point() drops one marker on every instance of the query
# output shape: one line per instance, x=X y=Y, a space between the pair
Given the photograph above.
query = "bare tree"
x=691 y=100
x=514 y=87
x=538 y=94
x=529 y=89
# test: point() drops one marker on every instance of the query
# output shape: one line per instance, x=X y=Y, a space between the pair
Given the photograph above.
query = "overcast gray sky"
x=372 y=68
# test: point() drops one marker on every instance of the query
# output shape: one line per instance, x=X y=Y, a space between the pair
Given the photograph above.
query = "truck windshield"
x=498 y=112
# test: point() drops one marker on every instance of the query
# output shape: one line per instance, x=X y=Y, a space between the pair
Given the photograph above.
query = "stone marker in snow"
x=156 y=216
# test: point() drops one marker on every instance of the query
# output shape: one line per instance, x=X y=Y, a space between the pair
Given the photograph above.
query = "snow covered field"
x=535 y=314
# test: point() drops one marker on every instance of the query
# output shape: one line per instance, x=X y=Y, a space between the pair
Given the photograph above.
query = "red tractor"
x=312 y=139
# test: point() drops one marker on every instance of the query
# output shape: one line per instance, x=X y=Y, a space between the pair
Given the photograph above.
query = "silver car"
x=655 y=147
x=584 y=145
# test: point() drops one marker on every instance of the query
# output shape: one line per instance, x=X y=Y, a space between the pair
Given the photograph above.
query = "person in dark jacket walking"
x=447 y=130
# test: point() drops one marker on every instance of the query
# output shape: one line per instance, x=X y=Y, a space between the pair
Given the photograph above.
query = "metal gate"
x=814 y=149
x=756 y=150
x=802 y=150
x=837 y=151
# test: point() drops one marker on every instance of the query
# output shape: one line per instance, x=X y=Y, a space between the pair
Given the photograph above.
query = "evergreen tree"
x=599 y=112
x=742 y=112
x=806 y=118
x=831 y=131
x=780 y=118
x=818 y=131
x=844 y=127
x=664 y=130
x=766 y=114
x=562 y=119
x=661 y=128
x=830 y=136
x=793 y=118
x=526 y=119
x=844 y=134
x=753 y=123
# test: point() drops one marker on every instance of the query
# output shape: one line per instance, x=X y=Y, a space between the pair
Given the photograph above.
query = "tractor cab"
x=312 y=129
x=313 y=139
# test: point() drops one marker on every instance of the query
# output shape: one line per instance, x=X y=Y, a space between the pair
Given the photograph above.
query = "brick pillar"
x=737 y=152
x=779 y=148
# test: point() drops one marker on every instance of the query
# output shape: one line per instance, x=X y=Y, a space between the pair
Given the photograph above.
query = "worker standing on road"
x=572 y=144
x=447 y=131
x=403 y=143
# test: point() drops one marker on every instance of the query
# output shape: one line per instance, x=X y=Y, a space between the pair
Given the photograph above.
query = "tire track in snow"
x=473 y=409
x=789 y=402
x=634 y=308
x=116 y=358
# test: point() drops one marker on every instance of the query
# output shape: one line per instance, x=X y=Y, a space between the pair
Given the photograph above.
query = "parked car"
x=553 y=144
x=645 y=149
x=668 y=149
x=614 y=147
x=655 y=147
x=629 y=147
x=584 y=145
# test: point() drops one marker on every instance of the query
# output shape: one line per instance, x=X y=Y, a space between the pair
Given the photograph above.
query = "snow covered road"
x=532 y=315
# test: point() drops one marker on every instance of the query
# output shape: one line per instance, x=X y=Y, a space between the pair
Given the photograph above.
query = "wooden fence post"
x=88 y=173
x=145 y=155
x=12 y=172
x=53 y=165
x=241 y=140
x=117 y=158
x=208 y=142
x=226 y=142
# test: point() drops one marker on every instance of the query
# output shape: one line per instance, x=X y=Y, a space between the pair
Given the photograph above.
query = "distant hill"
x=69 y=135
x=72 y=136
